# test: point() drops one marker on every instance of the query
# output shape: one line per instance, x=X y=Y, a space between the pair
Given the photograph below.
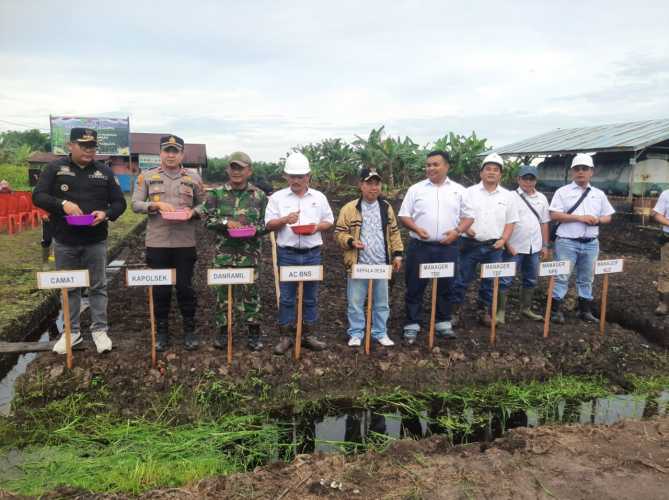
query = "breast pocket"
x=186 y=195
x=156 y=192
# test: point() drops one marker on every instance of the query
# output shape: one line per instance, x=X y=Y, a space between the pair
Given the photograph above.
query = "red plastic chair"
x=8 y=221
x=22 y=217
x=26 y=206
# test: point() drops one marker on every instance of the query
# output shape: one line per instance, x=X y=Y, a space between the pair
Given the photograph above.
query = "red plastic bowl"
x=242 y=232
x=176 y=215
x=304 y=229
x=80 y=220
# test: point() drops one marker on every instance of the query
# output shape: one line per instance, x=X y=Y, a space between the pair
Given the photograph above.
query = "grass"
x=22 y=257
x=16 y=175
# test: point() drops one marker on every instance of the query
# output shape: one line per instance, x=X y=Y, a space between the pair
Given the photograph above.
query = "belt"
x=300 y=250
x=477 y=243
x=423 y=242
x=580 y=240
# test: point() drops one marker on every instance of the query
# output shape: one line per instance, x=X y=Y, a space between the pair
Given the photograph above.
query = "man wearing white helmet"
x=661 y=215
x=495 y=214
x=579 y=209
x=298 y=205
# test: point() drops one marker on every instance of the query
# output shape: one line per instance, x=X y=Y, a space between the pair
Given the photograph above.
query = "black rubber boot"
x=254 y=343
x=191 y=341
x=556 y=314
x=162 y=335
x=221 y=340
x=585 y=311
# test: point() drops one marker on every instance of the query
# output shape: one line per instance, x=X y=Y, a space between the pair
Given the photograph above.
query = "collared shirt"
x=371 y=235
x=526 y=237
x=437 y=208
x=314 y=209
x=181 y=189
x=662 y=207
x=492 y=211
x=596 y=203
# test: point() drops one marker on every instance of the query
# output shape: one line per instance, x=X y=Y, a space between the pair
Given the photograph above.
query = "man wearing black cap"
x=77 y=185
x=367 y=230
x=170 y=244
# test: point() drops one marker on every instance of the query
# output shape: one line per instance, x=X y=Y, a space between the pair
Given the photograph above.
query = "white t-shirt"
x=596 y=203
x=314 y=209
x=437 y=208
x=662 y=207
x=492 y=211
x=526 y=237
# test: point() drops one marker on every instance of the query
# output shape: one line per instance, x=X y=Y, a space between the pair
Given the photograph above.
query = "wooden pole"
x=298 y=328
x=229 y=324
x=602 y=316
x=368 y=328
x=493 y=313
x=68 y=328
x=152 y=316
x=433 y=314
x=549 y=305
x=275 y=267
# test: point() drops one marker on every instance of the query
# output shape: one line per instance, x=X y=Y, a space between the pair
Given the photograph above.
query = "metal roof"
x=630 y=136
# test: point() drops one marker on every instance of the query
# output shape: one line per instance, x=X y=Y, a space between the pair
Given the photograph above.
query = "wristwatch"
x=225 y=221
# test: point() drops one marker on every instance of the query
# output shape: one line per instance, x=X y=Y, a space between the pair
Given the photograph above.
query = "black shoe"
x=191 y=341
x=556 y=314
x=162 y=336
x=585 y=311
x=254 y=343
x=221 y=340
x=309 y=339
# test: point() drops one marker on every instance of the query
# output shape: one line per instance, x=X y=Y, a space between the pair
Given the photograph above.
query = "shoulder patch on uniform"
x=155 y=176
x=140 y=179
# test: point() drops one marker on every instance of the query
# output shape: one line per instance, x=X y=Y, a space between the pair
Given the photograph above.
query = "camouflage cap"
x=240 y=159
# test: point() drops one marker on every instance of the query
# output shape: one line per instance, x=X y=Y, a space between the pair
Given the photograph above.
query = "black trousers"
x=183 y=260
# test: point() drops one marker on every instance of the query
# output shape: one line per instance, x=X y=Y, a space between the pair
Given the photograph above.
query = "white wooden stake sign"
x=553 y=268
x=370 y=272
x=606 y=267
x=149 y=278
x=300 y=274
x=230 y=276
x=434 y=271
x=496 y=271
x=64 y=280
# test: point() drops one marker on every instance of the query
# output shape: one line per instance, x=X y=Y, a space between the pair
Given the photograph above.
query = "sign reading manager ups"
x=113 y=133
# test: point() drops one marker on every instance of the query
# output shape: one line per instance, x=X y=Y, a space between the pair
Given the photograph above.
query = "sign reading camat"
x=609 y=266
x=554 y=268
x=150 y=277
x=498 y=270
x=437 y=270
x=301 y=273
x=371 y=272
x=63 y=279
x=230 y=276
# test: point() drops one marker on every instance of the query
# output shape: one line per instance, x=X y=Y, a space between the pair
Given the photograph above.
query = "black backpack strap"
x=529 y=206
x=553 y=234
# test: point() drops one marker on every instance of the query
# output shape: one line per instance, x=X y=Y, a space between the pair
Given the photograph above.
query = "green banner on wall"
x=113 y=133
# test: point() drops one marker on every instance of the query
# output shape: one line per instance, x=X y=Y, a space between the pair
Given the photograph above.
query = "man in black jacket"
x=77 y=185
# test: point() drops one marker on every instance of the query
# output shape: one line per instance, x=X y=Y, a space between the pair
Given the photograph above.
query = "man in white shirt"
x=495 y=215
x=579 y=208
x=661 y=215
x=298 y=205
x=436 y=213
x=528 y=243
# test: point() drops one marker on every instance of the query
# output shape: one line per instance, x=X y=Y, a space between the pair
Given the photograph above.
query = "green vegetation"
x=17 y=146
x=22 y=257
x=16 y=175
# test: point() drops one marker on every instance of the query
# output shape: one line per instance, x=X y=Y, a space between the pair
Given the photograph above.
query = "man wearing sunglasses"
x=78 y=185
x=579 y=208
x=298 y=204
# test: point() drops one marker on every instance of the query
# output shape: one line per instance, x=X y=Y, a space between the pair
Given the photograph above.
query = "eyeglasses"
x=88 y=145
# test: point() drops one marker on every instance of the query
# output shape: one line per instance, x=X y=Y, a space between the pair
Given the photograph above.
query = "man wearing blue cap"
x=528 y=242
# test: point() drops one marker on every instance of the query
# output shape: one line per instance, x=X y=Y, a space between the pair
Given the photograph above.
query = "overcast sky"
x=263 y=76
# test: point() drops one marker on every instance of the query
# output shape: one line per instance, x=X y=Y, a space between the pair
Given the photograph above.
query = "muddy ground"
x=342 y=372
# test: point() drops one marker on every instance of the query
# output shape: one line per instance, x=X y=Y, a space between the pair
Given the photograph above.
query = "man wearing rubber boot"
x=298 y=204
x=235 y=205
x=528 y=243
x=170 y=244
x=579 y=209
x=495 y=215
x=661 y=215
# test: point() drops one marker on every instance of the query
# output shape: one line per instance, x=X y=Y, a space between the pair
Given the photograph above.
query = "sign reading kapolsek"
x=113 y=133
x=150 y=277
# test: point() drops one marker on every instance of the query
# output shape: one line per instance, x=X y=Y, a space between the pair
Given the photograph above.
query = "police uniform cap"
x=239 y=158
x=171 y=141
x=81 y=134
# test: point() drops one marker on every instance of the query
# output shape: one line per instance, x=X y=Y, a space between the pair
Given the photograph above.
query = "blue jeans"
x=582 y=257
x=94 y=258
x=287 y=309
x=470 y=257
x=356 y=293
x=527 y=265
x=420 y=252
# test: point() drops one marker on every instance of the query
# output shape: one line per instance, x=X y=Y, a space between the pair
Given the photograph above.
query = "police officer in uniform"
x=76 y=185
x=170 y=243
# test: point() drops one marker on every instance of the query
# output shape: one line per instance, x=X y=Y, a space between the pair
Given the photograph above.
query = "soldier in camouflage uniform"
x=238 y=203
